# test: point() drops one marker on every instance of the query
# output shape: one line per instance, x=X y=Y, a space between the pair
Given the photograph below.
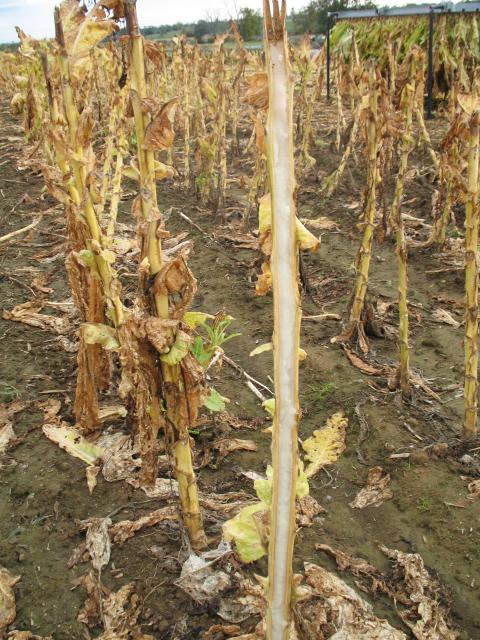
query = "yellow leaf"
x=267 y=346
x=97 y=333
x=245 y=530
x=327 y=444
x=305 y=238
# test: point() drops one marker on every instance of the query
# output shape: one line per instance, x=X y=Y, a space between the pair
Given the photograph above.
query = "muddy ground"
x=43 y=490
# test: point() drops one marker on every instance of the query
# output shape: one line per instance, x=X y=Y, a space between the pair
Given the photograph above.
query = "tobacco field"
x=239 y=333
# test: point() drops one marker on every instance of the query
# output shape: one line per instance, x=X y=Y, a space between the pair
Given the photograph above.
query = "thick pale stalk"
x=172 y=379
x=365 y=252
x=286 y=336
x=401 y=244
x=471 y=282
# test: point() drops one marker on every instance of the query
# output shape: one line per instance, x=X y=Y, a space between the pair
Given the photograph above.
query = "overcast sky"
x=35 y=17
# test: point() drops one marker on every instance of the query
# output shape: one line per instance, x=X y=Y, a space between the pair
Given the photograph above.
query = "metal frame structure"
x=392 y=12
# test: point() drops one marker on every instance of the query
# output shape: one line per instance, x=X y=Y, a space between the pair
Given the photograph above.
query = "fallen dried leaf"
x=444 y=317
x=334 y=610
x=364 y=367
x=97 y=542
x=28 y=313
x=225 y=446
x=8 y=609
x=125 y=529
x=376 y=492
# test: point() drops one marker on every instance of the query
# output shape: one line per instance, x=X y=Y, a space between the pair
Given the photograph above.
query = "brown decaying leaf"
x=332 y=609
x=257 y=90
x=225 y=446
x=29 y=313
x=119 y=610
x=159 y=133
x=427 y=618
x=139 y=386
x=98 y=542
x=444 y=317
x=8 y=609
x=176 y=278
x=364 y=367
x=356 y=566
x=307 y=509
x=410 y=584
x=153 y=52
x=247 y=601
x=121 y=531
x=376 y=492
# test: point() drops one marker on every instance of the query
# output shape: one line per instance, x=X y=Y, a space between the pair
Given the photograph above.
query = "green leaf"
x=194 y=318
x=263 y=487
x=214 y=401
x=87 y=257
x=178 y=350
x=269 y=406
x=243 y=529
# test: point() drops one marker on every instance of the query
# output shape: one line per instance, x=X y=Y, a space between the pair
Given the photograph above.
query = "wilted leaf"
x=326 y=445
x=267 y=346
x=469 y=102
x=257 y=90
x=102 y=334
x=83 y=31
x=225 y=446
x=178 y=350
x=376 y=492
x=245 y=530
x=213 y=401
x=69 y=439
x=159 y=133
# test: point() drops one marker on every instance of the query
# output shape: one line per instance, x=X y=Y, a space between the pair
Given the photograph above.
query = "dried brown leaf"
x=159 y=133
x=121 y=531
x=225 y=446
x=98 y=541
x=376 y=492
x=8 y=609
x=257 y=90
